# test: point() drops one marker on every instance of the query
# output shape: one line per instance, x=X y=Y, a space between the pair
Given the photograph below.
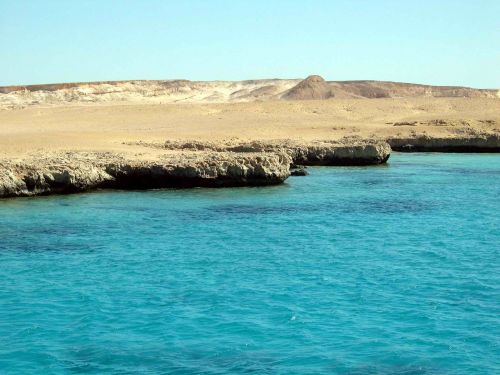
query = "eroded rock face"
x=179 y=164
x=76 y=172
x=480 y=143
x=302 y=153
x=49 y=177
x=208 y=170
x=339 y=155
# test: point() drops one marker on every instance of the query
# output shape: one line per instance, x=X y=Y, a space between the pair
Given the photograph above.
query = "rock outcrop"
x=298 y=170
x=301 y=153
x=178 y=164
x=425 y=143
x=77 y=172
x=340 y=155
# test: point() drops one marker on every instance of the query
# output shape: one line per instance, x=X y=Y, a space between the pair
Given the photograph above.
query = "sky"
x=441 y=42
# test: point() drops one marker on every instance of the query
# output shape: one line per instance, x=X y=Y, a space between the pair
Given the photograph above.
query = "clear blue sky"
x=446 y=42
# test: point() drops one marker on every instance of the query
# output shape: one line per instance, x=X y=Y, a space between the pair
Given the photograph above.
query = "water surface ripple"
x=368 y=270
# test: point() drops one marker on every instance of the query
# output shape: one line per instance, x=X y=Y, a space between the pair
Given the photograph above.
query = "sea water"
x=358 y=270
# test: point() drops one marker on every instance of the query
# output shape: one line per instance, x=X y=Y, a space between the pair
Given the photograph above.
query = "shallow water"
x=377 y=270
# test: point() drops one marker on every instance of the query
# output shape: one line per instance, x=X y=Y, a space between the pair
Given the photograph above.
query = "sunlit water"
x=378 y=270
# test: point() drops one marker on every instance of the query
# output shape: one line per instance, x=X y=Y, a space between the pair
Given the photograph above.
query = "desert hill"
x=312 y=88
x=185 y=91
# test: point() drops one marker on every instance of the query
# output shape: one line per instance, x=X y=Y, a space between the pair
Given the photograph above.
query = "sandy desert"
x=106 y=116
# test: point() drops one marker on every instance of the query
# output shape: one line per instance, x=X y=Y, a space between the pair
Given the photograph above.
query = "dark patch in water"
x=393 y=370
x=100 y=360
x=394 y=206
x=379 y=206
x=241 y=209
x=469 y=172
x=373 y=182
x=38 y=247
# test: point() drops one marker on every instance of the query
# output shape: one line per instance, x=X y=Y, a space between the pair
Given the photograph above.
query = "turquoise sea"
x=366 y=270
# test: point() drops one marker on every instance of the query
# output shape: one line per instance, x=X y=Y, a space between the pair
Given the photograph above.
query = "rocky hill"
x=312 y=88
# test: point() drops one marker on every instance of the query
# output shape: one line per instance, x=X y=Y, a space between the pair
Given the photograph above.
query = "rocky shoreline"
x=76 y=172
x=188 y=164
x=347 y=152
x=183 y=165
x=424 y=143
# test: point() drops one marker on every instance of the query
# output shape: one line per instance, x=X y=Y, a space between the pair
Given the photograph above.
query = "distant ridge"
x=313 y=87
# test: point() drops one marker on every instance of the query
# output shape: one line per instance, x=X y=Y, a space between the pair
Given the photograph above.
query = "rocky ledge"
x=176 y=165
x=425 y=143
x=72 y=172
x=345 y=152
